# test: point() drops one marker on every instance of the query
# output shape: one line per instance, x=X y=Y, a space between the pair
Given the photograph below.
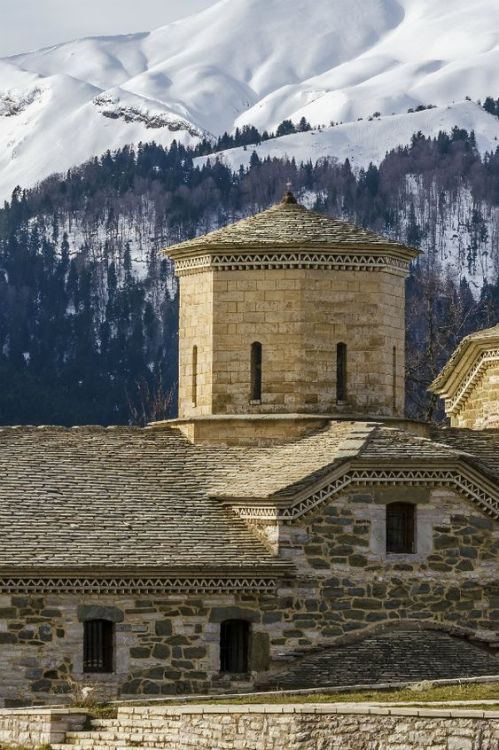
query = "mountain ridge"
x=240 y=62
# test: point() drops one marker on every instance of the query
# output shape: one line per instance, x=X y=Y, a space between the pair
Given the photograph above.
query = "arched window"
x=256 y=371
x=194 y=375
x=400 y=528
x=341 y=372
x=234 y=646
x=98 y=646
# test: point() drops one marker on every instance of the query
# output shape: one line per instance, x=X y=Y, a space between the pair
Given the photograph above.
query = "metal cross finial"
x=288 y=196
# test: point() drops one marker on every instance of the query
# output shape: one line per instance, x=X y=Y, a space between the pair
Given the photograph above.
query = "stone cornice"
x=88 y=584
x=454 y=402
x=454 y=379
x=341 y=259
x=458 y=476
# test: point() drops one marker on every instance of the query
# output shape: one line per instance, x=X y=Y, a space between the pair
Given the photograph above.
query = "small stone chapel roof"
x=290 y=225
x=469 y=347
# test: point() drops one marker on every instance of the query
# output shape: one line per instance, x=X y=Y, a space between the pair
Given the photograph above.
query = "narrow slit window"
x=400 y=528
x=98 y=646
x=394 y=379
x=256 y=371
x=234 y=646
x=341 y=372
x=194 y=375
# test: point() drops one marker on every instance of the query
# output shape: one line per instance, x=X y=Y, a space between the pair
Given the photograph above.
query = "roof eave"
x=274 y=568
x=185 y=251
x=449 y=379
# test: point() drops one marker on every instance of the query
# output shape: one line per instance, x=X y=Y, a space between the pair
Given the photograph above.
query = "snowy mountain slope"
x=369 y=140
x=241 y=61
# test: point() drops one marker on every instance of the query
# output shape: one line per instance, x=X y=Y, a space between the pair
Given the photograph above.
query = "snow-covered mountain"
x=243 y=62
x=369 y=140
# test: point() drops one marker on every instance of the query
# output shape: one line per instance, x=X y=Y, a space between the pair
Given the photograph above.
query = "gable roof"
x=99 y=498
x=462 y=360
x=110 y=499
x=289 y=225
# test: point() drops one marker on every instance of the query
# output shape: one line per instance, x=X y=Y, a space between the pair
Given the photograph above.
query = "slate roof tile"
x=289 y=225
x=136 y=498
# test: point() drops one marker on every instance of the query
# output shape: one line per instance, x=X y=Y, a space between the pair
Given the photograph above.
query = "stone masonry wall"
x=299 y=316
x=346 y=588
x=274 y=727
x=196 y=329
x=40 y=726
x=299 y=727
x=480 y=410
x=347 y=584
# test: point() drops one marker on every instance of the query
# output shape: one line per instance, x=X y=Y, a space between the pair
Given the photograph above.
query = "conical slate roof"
x=289 y=225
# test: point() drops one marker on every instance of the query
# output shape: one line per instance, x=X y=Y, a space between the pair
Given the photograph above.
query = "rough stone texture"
x=293 y=727
x=196 y=329
x=480 y=410
x=39 y=726
x=299 y=283
x=469 y=382
x=299 y=316
x=344 y=589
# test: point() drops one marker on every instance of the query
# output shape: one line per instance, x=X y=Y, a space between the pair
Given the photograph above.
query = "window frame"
x=405 y=514
x=235 y=637
x=256 y=372
x=194 y=380
x=341 y=372
x=98 y=646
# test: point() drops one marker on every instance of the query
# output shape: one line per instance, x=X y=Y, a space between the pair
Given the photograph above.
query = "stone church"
x=290 y=527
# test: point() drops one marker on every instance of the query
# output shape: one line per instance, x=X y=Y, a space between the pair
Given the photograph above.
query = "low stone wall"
x=257 y=727
x=304 y=727
x=39 y=726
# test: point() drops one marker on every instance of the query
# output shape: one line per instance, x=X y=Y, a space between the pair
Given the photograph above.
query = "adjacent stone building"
x=469 y=382
x=289 y=528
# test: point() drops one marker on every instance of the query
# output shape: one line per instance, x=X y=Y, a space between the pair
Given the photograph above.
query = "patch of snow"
x=368 y=141
x=243 y=62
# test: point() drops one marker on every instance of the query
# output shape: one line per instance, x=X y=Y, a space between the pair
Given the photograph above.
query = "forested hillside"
x=88 y=303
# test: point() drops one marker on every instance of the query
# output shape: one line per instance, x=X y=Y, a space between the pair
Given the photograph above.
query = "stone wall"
x=480 y=409
x=347 y=583
x=163 y=645
x=196 y=329
x=40 y=726
x=293 y=727
x=346 y=588
x=265 y=727
x=311 y=727
x=299 y=316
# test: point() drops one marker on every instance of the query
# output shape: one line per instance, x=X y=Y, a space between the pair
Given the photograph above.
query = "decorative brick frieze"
x=329 y=261
x=471 y=488
x=153 y=585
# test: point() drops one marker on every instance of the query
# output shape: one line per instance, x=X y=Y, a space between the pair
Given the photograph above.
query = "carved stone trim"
x=150 y=585
x=452 y=404
x=413 y=477
x=329 y=261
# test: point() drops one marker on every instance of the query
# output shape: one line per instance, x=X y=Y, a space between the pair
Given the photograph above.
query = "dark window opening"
x=341 y=372
x=394 y=379
x=194 y=375
x=97 y=646
x=400 y=527
x=256 y=371
x=234 y=646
